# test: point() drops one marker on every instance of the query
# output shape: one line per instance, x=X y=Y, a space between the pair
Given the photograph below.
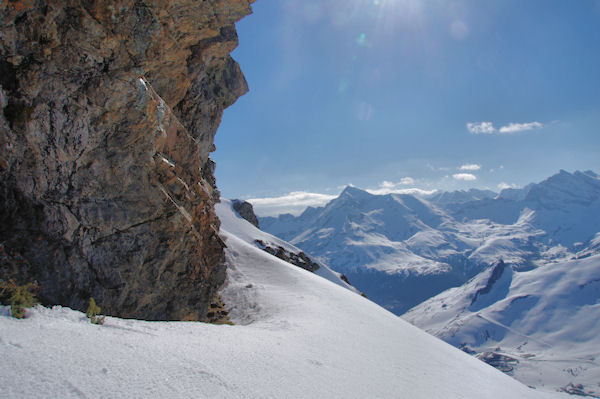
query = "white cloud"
x=488 y=127
x=464 y=176
x=481 y=127
x=344 y=186
x=504 y=185
x=470 y=166
x=295 y=203
x=388 y=187
x=412 y=191
x=520 y=127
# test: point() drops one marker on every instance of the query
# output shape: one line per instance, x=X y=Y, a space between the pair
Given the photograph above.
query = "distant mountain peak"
x=461 y=196
x=351 y=191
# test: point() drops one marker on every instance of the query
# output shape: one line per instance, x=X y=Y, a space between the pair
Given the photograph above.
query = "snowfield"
x=541 y=325
x=296 y=335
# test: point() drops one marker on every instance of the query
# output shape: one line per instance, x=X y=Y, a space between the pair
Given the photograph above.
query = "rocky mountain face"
x=109 y=110
x=246 y=211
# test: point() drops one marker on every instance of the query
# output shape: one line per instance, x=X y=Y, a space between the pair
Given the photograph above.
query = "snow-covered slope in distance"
x=541 y=325
x=297 y=335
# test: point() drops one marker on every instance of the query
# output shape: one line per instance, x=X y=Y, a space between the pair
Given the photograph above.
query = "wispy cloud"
x=295 y=203
x=387 y=184
x=504 y=185
x=365 y=112
x=470 y=166
x=464 y=176
x=388 y=187
x=437 y=169
x=403 y=182
x=459 y=30
x=520 y=127
x=488 y=127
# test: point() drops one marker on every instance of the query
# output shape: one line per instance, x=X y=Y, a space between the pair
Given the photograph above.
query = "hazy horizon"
x=296 y=202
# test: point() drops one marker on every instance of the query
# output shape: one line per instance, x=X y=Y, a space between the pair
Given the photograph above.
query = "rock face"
x=246 y=211
x=109 y=110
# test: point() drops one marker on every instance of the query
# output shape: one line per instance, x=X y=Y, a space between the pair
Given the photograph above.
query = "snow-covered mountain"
x=566 y=207
x=402 y=249
x=460 y=196
x=541 y=326
x=295 y=335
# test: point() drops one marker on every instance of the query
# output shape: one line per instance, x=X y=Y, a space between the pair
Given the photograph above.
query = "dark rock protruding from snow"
x=497 y=272
x=246 y=211
x=297 y=259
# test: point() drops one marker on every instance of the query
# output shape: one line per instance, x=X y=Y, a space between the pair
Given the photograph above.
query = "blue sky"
x=409 y=94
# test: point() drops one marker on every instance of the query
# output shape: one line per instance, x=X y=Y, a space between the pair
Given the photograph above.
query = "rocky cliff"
x=246 y=211
x=109 y=109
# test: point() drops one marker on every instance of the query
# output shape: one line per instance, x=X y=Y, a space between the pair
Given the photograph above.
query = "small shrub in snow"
x=19 y=297
x=93 y=313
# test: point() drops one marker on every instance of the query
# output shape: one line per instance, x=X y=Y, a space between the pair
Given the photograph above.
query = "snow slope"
x=297 y=335
x=250 y=234
x=546 y=321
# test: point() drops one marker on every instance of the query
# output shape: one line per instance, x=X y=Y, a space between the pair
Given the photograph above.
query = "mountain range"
x=402 y=249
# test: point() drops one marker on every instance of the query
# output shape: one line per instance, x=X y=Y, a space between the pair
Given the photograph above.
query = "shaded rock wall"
x=109 y=109
x=246 y=211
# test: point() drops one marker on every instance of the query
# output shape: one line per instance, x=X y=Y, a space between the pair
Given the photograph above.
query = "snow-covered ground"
x=296 y=335
x=544 y=323
x=236 y=226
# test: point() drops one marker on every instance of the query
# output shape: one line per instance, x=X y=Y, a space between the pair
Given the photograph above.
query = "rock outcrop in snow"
x=108 y=115
x=246 y=211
